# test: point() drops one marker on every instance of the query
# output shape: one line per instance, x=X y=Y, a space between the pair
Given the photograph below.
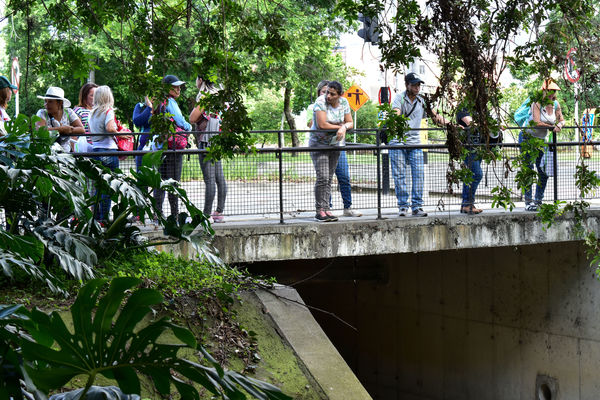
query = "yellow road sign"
x=356 y=97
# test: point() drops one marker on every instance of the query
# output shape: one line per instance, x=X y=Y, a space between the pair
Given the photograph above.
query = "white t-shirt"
x=68 y=117
x=98 y=124
x=3 y=118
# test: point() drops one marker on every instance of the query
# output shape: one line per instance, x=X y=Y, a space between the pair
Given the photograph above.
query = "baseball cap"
x=5 y=83
x=172 y=80
x=413 y=78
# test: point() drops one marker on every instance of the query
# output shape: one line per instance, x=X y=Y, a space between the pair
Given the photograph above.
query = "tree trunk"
x=287 y=98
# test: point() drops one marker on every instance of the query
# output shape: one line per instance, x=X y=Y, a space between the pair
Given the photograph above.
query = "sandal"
x=470 y=210
x=476 y=210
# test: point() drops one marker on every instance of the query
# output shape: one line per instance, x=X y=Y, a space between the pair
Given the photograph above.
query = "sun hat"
x=5 y=83
x=549 y=84
x=172 y=80
x=56 y=93
x=413 y=78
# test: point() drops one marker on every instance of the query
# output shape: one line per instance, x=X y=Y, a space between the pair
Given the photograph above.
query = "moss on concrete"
x=279 y=364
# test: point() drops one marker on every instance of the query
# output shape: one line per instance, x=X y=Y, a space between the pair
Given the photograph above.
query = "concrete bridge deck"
x=250 y=241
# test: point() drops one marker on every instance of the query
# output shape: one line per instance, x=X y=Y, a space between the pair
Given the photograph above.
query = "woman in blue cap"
x=6 y=89
x=173 y=162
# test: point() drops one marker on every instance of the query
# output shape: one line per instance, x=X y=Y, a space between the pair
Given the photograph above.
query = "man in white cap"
x=411 y=105
x=58 y=116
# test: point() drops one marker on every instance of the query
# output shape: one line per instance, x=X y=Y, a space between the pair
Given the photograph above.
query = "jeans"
x=325 y=163
x=540 y=186
x=402 y=159
x=473 y=162
x=112 y=162
x=212 y=172
x=169 y=169
x=343 y=177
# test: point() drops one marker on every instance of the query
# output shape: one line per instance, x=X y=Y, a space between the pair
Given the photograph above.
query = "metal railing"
x=279 y=181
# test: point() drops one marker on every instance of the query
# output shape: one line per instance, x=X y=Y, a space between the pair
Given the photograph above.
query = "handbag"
x=124 y=143
x=177 y=141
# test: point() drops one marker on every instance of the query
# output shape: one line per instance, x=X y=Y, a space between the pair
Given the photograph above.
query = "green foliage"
x=586 y=180
x=109 y=339
x=396 y=125
x=530 y=148
x=549 y=212
x=366 y=118
x=178 y=276
x=502 y=198
x=48 y=198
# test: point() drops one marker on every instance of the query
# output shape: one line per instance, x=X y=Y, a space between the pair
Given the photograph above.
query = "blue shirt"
x=173 y=108
x=141 y=117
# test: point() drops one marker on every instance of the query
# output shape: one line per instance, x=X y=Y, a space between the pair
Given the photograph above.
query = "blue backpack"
x=524 y=112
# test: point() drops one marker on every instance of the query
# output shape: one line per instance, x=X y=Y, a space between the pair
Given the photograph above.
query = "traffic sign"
x=571 y=73
x=356 y=97
x=15 y=73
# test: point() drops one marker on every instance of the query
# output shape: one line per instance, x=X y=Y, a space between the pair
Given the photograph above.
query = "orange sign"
x=356 y=97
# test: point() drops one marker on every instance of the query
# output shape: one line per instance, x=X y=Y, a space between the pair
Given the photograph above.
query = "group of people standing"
x=330 y=118
x=88 y=128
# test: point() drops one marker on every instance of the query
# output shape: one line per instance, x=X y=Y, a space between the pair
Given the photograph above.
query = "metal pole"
x=555 y=166
x=577 y=130
x=280 y=155
x=354 y=126
x=378 y=142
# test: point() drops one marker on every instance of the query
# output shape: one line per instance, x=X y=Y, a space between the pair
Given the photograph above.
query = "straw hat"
x=56 y=93
x=549 y=84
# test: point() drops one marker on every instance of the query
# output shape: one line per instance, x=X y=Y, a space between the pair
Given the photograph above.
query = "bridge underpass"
x=455 y=307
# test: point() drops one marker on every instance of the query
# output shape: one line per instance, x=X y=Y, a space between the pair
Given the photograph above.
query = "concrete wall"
x=462 y=324
x=366 y=237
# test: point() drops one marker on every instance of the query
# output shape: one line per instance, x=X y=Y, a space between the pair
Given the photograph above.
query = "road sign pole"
x=577 y=130
x=355 y=124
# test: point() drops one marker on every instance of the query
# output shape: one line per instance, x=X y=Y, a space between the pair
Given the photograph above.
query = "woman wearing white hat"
x=58 y=116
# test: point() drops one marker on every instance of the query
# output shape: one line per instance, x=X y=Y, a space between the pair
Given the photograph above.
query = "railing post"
x=280 y=154
x=378 y=142
x=555 y=166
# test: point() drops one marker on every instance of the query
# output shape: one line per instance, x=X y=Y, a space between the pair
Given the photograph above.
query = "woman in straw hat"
x=58 y=116
x=542 y=119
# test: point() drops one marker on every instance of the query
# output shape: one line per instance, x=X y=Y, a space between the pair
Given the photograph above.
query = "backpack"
x=523 y=113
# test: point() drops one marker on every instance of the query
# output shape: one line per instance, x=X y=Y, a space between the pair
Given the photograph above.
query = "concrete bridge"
x=493 y=306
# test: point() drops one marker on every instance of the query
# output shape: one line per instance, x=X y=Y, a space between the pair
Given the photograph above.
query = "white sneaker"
x=348 y=212
x=531 y=206
x=419 y=213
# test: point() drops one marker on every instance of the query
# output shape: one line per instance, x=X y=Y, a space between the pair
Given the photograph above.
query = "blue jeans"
x=112 y=162
x=540 y=186
x=473 y=162
x=343 y=177
x=402 y=159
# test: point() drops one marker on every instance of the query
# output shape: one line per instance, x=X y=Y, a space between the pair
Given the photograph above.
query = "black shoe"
x=322 y=218
x=331 y=217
